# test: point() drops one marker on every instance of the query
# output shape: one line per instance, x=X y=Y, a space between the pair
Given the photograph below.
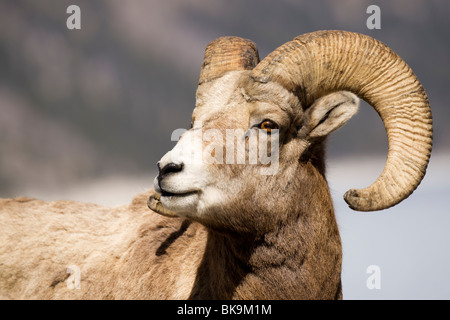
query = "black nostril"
x=169 y=168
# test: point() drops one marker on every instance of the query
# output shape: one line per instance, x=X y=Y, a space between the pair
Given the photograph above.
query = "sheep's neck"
x=301 y=259
x=224 y=266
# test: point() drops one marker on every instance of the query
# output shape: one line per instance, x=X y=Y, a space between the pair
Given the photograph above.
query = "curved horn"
x=318 y=63
x=228 y=54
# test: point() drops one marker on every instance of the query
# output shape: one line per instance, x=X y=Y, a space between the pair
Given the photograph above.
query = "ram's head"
x=258 y=126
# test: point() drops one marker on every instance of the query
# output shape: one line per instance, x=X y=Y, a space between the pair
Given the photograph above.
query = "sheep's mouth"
x=170 y=194
x=154 y=203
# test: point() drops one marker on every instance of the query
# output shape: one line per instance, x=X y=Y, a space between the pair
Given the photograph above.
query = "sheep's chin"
x=154 y=203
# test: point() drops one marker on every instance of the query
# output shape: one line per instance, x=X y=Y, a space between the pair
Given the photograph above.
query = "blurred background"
x=86 y=114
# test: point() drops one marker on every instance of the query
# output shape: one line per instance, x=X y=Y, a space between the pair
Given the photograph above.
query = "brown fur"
x=115 y=248
x=291 y=261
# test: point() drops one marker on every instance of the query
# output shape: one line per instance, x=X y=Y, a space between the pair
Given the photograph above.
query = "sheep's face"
x=236 y=168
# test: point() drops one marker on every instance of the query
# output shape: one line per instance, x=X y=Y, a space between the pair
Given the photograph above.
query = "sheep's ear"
x=329 y=113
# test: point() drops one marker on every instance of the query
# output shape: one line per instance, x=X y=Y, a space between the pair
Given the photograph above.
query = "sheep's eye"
x=268 y=126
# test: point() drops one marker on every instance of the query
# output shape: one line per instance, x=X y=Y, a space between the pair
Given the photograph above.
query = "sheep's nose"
x=169 y=168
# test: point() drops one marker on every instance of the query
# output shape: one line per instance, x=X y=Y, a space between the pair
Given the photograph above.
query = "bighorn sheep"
x=226 y=230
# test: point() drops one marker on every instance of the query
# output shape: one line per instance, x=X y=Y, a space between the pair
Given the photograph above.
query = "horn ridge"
x=228 y=54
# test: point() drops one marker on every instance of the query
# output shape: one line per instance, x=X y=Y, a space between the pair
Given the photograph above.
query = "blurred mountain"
x=77 y=104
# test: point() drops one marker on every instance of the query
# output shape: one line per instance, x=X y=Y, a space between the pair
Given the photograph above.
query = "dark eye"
x=268 y=125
